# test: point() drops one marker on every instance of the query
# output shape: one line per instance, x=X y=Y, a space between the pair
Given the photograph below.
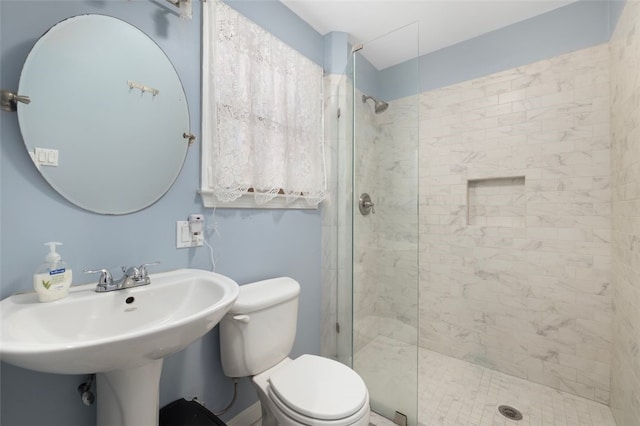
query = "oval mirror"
x=108 y=114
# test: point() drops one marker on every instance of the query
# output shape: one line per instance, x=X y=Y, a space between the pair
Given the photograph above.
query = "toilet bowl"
x=256 y=337
x=312 y=390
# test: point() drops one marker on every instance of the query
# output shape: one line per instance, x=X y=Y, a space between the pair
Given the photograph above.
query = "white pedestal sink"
x=122 y=335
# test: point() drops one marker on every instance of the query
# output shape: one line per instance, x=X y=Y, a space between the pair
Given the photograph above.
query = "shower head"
x=379 y=106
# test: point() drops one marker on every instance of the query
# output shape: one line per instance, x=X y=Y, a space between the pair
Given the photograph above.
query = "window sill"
x=247 y=201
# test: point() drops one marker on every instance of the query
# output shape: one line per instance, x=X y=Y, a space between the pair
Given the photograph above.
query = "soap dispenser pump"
x=53 y=277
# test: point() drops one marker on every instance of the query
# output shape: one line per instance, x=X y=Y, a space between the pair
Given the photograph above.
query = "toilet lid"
x=319 y=388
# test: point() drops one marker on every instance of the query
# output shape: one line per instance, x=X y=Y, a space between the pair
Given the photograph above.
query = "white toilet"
x=256 y=337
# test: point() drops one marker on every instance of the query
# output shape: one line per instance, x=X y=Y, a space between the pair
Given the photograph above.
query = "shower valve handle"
x=365 y=204
x=369 y=204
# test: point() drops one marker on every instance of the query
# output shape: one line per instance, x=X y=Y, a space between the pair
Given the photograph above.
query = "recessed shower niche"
x=497 y=202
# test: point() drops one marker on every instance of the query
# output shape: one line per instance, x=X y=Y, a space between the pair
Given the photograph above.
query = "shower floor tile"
x=456 y=392
x=453 y=392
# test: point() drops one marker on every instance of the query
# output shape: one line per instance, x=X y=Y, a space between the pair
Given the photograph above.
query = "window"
x=262 y=117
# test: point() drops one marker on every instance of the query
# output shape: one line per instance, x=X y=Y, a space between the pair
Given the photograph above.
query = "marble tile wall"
x=529 y=298
x=385 y=258
x=337 y=227
x=625 y=155
x=328 y=344
x=395 y=313
x=533 y=301
x=368 y=137
x=385 y=269
x=496 y=202
x=385 y=242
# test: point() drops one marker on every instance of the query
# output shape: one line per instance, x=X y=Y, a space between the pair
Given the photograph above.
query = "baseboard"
x=248 y=416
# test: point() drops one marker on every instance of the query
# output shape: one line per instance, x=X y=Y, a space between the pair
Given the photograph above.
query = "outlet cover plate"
x=184 y=239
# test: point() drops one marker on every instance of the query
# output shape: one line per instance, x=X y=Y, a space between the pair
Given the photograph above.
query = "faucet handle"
x=143 y=268
x=131 y=272
x=105 y=276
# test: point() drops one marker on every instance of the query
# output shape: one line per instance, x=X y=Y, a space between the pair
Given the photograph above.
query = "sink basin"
x=121 y=333
x=89 y=332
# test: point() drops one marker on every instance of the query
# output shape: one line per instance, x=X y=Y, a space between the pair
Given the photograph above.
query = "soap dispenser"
x=53 y=277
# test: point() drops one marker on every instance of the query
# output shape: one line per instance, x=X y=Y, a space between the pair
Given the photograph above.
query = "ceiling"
x=441 y=23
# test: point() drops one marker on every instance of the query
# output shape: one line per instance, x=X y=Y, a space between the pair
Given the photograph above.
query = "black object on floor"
x=187 y=413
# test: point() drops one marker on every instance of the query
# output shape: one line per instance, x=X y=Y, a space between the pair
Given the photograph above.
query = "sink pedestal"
x=129 y=396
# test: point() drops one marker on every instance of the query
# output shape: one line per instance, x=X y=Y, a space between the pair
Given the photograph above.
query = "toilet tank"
x=259 y=330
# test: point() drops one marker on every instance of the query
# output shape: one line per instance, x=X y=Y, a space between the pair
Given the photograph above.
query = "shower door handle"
x=366 y=205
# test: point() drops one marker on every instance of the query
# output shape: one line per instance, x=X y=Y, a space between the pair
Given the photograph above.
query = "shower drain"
x=510 y=412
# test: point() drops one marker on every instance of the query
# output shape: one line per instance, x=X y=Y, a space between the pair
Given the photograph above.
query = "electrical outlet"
x=184 y=238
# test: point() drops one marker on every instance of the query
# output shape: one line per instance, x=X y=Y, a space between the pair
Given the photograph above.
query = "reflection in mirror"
x=108 y=122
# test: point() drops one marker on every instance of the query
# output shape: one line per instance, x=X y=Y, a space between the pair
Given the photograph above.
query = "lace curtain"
x=262 y=113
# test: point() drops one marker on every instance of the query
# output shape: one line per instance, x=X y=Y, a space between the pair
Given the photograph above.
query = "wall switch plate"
x=46 y=157
x=184 y=238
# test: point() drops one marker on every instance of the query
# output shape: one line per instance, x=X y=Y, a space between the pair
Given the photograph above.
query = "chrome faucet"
x=132 y=277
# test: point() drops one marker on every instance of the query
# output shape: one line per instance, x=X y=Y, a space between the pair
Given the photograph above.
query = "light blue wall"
x=569 y=28
x=615 y=10
x=336 y=52
x=576 y=26
x=367 y=77
x=253 y=244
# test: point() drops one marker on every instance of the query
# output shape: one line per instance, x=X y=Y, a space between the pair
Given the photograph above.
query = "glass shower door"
x=385 y=225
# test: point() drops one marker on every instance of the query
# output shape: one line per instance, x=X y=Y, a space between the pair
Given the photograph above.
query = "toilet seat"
x=319 y=389
x=292 y=417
